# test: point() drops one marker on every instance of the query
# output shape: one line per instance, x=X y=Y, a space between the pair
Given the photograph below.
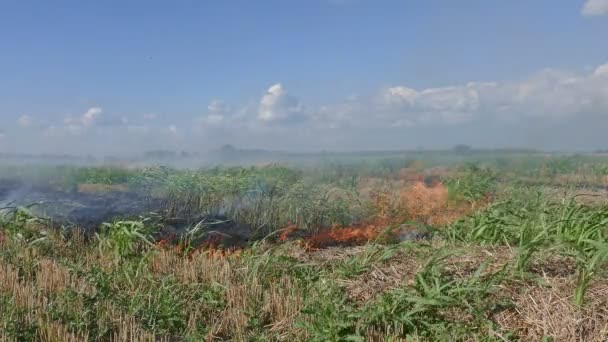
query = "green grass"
x=459 y=285
x=534 y=223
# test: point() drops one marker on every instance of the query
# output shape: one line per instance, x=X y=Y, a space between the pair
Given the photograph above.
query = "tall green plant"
x=123 y=238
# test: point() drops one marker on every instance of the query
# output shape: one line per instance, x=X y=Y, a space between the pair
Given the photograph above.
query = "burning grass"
x=344 y=271
x=417 y=203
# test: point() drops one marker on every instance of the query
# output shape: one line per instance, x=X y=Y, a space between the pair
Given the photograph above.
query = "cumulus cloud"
x=547 y=94
x=546 y=97
x=601 y=70
x=279 y=106
x=217 y=112
x=452 y=104
x=595 y=8
x=89 y=118
x=385 y=118
x=93 y=118
x=77 y=125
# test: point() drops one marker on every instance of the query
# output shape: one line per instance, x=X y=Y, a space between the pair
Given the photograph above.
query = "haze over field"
x=303 y=170
x=118 y=78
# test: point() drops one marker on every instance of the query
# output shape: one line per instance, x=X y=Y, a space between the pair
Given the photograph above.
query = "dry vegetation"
x=492 y=262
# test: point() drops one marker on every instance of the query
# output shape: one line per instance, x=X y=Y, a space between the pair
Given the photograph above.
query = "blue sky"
x=125 y=76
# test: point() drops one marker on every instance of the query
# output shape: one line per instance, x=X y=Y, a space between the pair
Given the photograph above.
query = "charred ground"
x=330 y=252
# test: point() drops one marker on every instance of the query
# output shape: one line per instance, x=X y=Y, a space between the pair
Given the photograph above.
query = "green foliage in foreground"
x=163 y=304
x=124 y=238
x=533 y=223
x=272 y=292
x=475 y=183
x=422 y=311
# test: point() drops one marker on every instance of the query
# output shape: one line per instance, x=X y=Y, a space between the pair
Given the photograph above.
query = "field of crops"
x=494 y=249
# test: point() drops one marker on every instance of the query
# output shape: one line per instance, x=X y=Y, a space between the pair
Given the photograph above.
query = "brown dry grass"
x=468 y=259
x=26 y=295
x=199 y=268
x=396 y=273
x=31 y=289
x=50 y=331
x=400 y=270
x=54 y=278
x=23 y=294
x=548 y=311
x=581 y=178
x=539 y=310
x=583 y=196
x=130 y=331
x=278 y=304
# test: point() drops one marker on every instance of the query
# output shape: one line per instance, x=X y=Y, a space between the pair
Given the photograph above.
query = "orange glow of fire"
x=416 y=202
x=352 y=235
x=287 y=231
x=425 y=204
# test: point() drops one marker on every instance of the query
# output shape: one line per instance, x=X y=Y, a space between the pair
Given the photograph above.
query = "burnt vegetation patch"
x=388 y=251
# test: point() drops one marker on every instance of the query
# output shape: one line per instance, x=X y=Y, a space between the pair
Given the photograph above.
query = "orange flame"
x=290 y=229
x=424 y=204
x=417 y=202
x=353 y=235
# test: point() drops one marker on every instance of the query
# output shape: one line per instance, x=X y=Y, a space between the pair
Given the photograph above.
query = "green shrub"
x=123 y=238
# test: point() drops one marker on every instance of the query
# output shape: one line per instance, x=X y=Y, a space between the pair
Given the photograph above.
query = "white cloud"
x=425 y=116
x=433 y=105
x=601 y=70
x=217 y=107
x=279 y=106
x=595 y=8
x=150 y=116
x=548 y=95
x=77 y=126
x=92 y=119
x=89 y=118
x=400 y=95
x=217 y=111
